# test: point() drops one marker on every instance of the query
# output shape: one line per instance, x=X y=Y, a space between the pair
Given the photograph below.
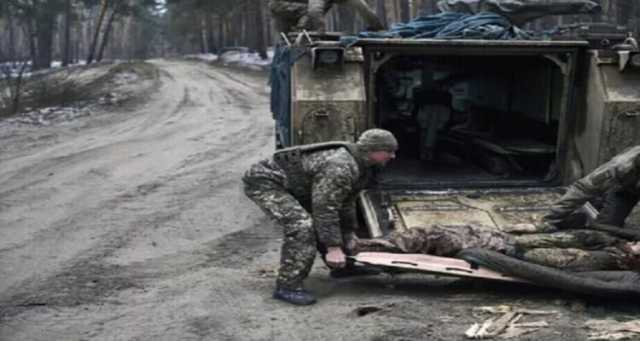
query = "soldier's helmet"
x=377 y=140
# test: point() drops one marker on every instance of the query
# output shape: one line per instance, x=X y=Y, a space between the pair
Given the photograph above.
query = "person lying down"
x=573 y=250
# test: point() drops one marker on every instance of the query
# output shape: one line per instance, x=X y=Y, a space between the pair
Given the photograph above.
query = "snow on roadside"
x=46 y=116
x=207 y=57
x=238 y=57
x=249 y=60
x=14 y=68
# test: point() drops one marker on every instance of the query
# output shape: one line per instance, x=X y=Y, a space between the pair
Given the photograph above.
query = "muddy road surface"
x=130 y=224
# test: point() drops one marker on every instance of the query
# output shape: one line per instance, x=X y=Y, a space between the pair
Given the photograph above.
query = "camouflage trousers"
x=287 y=14
x=299 y=245
x=573 y=250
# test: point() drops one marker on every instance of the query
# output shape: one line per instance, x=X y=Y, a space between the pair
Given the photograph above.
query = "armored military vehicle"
x=489 y=130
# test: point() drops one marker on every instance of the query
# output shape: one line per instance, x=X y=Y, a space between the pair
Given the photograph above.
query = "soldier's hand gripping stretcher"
x=335 y=258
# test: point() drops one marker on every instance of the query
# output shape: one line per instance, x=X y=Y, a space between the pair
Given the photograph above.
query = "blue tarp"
x=280 y=80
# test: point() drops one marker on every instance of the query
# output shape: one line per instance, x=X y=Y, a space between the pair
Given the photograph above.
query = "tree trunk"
x=243 y=17
x=45 y=26
x=107 y=32
x=30 y=34
x=96 y=34
x=405 y=11
x=261 y=45
x=202 y=34
x=221 y=36
x=268 y=26
x=228 y=32
x=67 y=33
x=381 y=10
x=390 y=11
x=12 y=37
x=210 y=37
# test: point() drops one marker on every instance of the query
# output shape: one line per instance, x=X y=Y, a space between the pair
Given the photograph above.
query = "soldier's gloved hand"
x=573 y=220
x=555 y=217
x=335 y=258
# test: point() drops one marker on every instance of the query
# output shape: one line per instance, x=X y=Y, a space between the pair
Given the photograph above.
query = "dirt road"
x=131 y=225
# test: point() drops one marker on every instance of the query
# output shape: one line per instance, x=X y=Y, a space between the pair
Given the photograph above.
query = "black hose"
x=600 y=285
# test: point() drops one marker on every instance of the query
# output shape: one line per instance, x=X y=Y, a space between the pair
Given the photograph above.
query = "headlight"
x=326 y=56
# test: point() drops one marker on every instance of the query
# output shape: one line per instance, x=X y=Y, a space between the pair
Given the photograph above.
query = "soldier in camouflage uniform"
x=616 y=182
x=295 y=15
x=311 y=192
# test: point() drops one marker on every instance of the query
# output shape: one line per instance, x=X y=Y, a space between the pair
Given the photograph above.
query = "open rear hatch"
x=482 y=129
x=472 y=113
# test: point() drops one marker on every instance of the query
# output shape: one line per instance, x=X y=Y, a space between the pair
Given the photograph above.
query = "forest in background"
x=72 y=31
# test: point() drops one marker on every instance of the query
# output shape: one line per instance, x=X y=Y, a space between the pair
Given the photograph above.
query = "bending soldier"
x=293 y=15
x=616 y=181
x=311 y=191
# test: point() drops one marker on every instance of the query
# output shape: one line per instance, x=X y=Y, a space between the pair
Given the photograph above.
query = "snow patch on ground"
x=46 y=116
x=207 y=57
x=124 y=78
x=14 y=68
x=250 y=60
x=238 y=58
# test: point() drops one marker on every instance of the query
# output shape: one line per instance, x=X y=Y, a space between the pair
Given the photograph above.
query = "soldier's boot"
x=298 y=296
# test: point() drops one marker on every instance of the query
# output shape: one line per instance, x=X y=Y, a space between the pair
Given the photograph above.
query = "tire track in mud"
x=238 y=249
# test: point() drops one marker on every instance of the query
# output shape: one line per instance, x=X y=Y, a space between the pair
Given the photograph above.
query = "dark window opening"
x=466 y=119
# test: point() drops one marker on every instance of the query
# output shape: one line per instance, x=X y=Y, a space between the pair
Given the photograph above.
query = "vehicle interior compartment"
x=484 y=119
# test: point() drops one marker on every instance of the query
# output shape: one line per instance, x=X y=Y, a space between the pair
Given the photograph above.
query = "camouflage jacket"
x=327 y=186
x=620 y=173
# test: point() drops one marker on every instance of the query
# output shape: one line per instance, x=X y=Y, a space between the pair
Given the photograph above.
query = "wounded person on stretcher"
x=573 y=250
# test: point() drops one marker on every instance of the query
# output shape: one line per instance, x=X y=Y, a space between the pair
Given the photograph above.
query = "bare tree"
x=12 y=80
x=260 y=44
x=67 y=33
x=107 y=31
x=94 y=42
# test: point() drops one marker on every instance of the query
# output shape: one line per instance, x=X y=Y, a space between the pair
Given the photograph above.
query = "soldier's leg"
x=286 y=14
x=616 y=207
x=574 y=259
x=372 y=22
x=579 y=239
x=299 y=245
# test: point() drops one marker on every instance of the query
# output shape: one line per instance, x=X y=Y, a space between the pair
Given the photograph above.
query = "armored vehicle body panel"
x=489 y=131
